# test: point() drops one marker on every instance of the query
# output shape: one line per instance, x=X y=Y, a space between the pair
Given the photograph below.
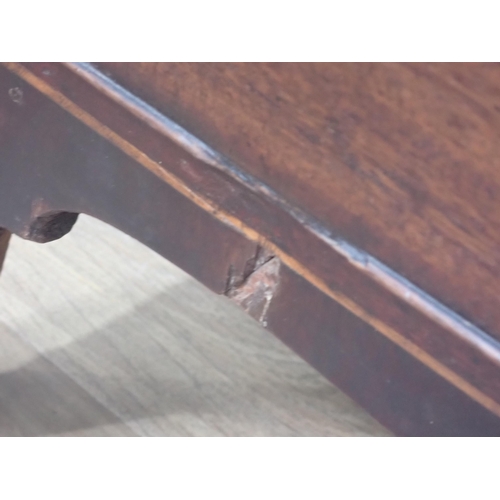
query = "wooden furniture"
x=351 y=208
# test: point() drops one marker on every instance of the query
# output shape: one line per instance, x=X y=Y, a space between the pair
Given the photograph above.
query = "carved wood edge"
x=366 y=263
x=394 y=307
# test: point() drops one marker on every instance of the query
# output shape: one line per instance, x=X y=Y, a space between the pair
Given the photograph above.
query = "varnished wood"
x=400 y=392
x=402 y=160
x=107 y=154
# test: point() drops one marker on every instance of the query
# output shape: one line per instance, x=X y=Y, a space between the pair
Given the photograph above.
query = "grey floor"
x=101 y=336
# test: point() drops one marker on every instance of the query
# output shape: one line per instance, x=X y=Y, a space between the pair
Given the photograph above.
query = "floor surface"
x=100 y=336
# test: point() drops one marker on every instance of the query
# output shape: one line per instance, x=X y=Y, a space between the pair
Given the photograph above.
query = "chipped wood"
x=256 y=293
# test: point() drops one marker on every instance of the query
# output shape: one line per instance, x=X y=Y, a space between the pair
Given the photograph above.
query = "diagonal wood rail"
x=125 y=163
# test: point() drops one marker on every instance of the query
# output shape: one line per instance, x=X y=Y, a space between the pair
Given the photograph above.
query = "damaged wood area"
x=254 y=291
x=50 y=227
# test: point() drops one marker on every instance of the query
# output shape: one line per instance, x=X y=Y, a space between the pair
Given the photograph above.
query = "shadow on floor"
x=176 y=365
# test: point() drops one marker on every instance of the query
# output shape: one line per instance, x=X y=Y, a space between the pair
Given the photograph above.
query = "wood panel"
x=402 y=160
x=73 y=142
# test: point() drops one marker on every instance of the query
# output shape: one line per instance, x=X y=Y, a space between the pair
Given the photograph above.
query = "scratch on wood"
x=255 y=293
x=16 y=94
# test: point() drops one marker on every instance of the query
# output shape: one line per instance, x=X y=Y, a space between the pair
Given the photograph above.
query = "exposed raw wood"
x=257 y=291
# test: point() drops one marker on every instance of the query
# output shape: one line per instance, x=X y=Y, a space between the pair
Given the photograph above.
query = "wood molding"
x=407 y=316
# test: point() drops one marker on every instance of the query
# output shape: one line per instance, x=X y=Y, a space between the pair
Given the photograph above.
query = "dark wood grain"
x=63 y=167
x=72 y=144
x=401 y=160
x=400 y=392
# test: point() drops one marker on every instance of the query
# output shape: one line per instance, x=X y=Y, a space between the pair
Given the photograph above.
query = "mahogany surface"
x=402 y=160
x=351 y=209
